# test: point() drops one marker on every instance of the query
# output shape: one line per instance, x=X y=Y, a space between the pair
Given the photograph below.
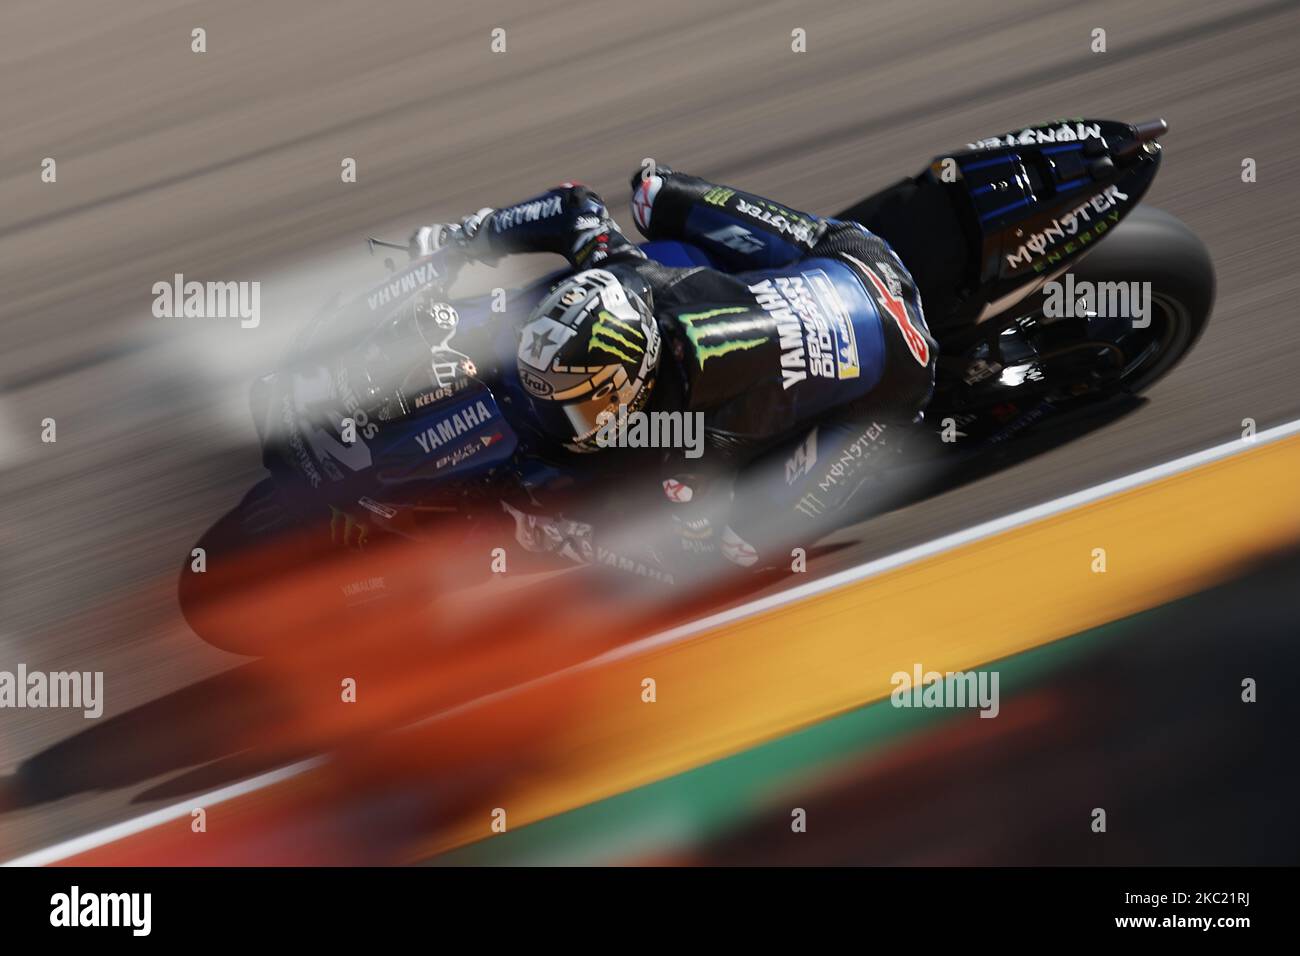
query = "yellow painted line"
x=741 y=682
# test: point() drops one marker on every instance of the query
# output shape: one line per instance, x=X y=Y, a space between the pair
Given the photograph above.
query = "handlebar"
x=446 y=262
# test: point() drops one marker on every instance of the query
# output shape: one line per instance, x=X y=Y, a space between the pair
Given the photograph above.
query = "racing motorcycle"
x=406 y=405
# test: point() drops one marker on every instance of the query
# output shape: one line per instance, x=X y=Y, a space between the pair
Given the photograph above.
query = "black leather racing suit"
x=805 y=349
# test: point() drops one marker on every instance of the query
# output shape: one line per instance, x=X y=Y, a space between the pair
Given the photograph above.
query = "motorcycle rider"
x=801 y=342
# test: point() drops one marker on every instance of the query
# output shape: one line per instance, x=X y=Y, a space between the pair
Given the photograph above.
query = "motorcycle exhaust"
x=1151 y=130
x=1144 y=140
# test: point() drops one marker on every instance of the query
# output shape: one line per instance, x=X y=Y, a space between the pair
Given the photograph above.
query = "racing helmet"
x=590 y=346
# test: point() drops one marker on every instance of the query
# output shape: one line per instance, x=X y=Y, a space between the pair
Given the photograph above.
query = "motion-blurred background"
x=225 y=165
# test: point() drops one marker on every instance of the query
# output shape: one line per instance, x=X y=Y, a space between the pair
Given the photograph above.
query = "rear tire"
x=1152 y=246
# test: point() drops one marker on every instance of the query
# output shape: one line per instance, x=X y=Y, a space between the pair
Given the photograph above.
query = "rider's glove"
x=427 y=240
x=465 y=237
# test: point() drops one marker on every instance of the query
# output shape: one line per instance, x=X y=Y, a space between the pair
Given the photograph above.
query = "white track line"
x=126 y=828
x=956 y=540
x=119 y=831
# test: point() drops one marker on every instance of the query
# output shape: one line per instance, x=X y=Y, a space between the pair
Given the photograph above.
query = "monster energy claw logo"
x=614 y=335
x=730 y=342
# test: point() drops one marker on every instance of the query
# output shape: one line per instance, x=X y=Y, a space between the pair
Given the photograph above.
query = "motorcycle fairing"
x=461 y=436
x=1042 y=202
x=982 y=227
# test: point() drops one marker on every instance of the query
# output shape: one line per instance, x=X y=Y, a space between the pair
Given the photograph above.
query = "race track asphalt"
x=225 y=165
